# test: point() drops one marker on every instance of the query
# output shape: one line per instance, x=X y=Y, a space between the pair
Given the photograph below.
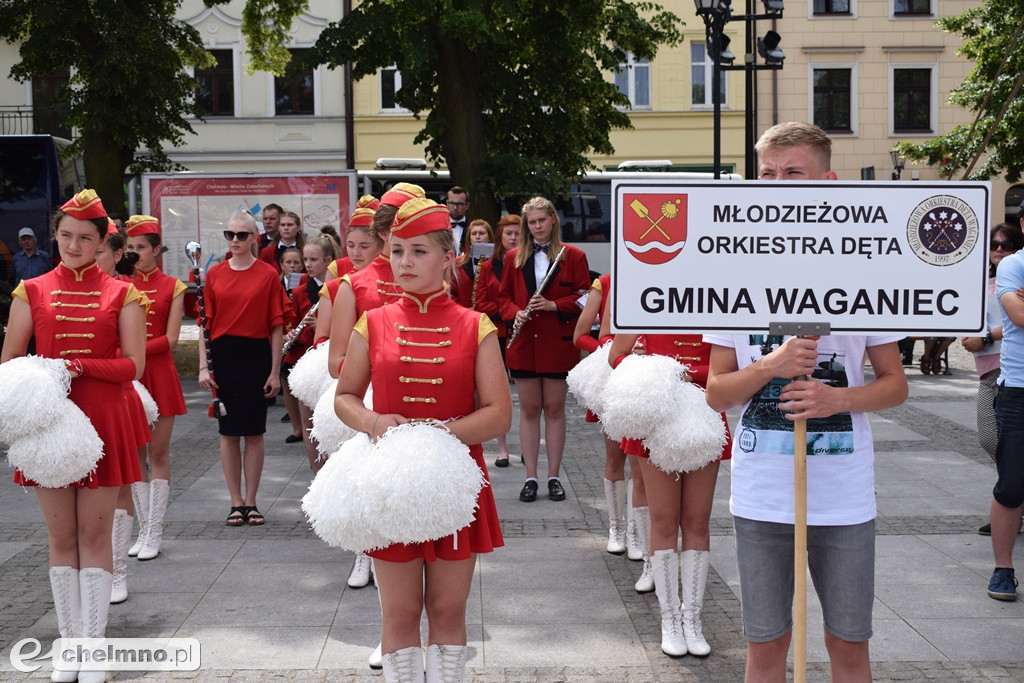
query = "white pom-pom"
x=148 y=404
x=310 y=377
x=587 y=380
x=640 y=395
x=427 y=482
x=33 y=395
x=693 y=438
x=61 y=454
x=341 y=510
x=328 y=429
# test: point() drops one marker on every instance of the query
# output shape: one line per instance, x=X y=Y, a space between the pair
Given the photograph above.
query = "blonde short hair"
x=797 y=134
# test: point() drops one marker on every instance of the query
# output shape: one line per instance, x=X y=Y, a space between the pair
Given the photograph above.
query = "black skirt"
x=241 y=367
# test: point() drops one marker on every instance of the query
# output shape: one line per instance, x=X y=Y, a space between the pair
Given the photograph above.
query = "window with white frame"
x=633 y=80
x=913 y=98
x=828 y=7
x=295 y=92
x=390 y=84
x=913 y=8
x=215 y=90
x=702 y=74
x=834 y=100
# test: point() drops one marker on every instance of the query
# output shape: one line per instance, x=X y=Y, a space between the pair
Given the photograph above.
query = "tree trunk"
x=464 y=143
x=105 y=165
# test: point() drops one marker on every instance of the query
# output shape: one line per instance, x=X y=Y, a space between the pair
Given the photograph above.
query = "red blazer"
x=487 y=286
x=268 y=254
x=545 y=342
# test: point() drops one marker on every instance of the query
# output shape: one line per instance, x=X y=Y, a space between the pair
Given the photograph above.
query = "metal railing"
x=16 y=120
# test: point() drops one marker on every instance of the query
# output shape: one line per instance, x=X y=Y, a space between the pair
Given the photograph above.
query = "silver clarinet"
x=540 y=289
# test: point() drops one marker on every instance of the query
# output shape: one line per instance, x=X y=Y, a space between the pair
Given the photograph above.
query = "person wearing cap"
x=363 y=245
x=442 y=355
x=163 y=324
x=96 y=324
x=543 y=353
x=246 y=309
x=370 y=287
x=343 y=264
x=29 y=262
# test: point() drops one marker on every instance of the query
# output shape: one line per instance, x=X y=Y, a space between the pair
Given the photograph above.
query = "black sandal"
x=238 y=516
x=926 y=365
x=254 y=517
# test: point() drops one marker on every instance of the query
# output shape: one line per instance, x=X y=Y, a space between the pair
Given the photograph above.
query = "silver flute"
x=540 y=289
x=301 y=326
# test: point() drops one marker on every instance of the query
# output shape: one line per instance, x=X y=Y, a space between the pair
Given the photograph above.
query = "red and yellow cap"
x=111 y=227
x=85 y=205
x=361 y=218
x=401 y=193
x=368 y=201
x=142 y=225
x=418 y=217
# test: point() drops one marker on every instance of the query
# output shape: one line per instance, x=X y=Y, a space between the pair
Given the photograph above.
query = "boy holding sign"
x=762 y=373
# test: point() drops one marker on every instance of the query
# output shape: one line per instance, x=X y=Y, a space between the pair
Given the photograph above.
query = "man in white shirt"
x=760 y=372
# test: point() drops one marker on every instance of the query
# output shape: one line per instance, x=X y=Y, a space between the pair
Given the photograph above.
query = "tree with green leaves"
x=515 y=92
x=995 y=43
x=129 y=88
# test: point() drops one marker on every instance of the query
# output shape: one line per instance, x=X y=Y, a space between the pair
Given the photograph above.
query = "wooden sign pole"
x=799 y=513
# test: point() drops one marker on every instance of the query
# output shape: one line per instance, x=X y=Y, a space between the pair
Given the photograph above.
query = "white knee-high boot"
x=67 y=603
x=665 y=564
x=140 y=497
x=446 y=663
x=642 y=519
x=404 y=666
x=693 y=572
x=615 y=496
x=94 y=584
x=158 y=492
x=121 y=535
x=633 y=551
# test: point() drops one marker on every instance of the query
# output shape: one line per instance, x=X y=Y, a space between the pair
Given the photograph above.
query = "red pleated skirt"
x=482 y=535
x=161 y=380
x=105 y=405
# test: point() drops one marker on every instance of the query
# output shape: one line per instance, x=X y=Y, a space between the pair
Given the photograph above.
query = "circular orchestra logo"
x=654 y=226
x=942 y=230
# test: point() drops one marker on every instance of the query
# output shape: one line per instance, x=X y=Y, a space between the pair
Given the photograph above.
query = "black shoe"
x=555 y=490
x=286 y=418
x=291 y=438
x=501 y=462
x=529 y=492
x=985 y=530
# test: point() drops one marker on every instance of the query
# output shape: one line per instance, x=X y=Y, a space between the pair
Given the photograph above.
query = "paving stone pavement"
x=270 y=603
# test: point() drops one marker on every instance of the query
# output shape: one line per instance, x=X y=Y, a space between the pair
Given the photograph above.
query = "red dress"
x=374 y=285
x=545 y=343
x=75 y=317
x=588 y=343
x=409 y=380
x=687 y=349
x=341 y=266
x=161 y=376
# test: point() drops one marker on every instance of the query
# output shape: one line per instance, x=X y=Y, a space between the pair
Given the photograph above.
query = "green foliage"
x=990 y=36
x=514 y=92
x=266 y=24
x=128 y=89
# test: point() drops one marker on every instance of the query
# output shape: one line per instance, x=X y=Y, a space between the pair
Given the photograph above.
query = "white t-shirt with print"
x=840 y=452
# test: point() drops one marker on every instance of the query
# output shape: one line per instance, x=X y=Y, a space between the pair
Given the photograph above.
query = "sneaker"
x=555 y=490
x=529 y=492
x=1003 y=585
x=985 y=530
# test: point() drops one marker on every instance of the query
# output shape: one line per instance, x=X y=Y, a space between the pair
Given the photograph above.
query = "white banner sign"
x=865 y=257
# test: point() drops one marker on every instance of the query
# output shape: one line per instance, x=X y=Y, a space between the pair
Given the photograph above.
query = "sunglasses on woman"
x=1005 y=245
x=242 y=236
